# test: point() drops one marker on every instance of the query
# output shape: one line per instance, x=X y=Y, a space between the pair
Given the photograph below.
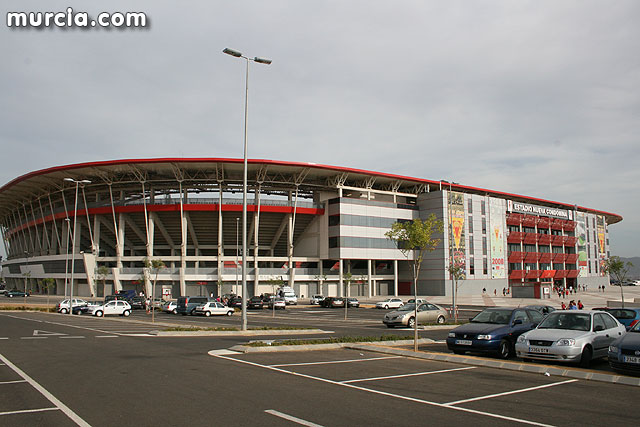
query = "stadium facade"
x=317 y=228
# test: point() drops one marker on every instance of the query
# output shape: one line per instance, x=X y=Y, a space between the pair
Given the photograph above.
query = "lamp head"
x=232 y=52
x=262 y=60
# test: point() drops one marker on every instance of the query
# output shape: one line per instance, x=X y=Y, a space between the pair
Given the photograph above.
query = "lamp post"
x=73 y=238
x=265 y=61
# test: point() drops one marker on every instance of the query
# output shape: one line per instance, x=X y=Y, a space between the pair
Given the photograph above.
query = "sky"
x=539 y=98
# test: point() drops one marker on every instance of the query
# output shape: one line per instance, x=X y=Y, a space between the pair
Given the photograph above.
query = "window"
x=334 y=220
x=471 y=244
x=536 y=317
x=520 y=315
x=484 y=225
x=484 y=245
x=472 y=269
x=608 y=321
x=469 y=206
x=598 y=322
x=485 y=269
x=483 y=207
x=333 y=242
x=470 y=226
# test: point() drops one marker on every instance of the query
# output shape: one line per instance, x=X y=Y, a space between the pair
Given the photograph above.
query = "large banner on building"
x=456 y=227
x=581 y=234
x=602 y=253
x=496 y=227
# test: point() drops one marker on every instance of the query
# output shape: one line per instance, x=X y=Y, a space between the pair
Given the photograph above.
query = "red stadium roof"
x=43 y=181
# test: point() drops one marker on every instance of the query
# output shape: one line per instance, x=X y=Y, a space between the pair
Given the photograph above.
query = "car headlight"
x=452 y=335
x=522 y=339
x=566 y=342
x=484 y=337
x=613 y=349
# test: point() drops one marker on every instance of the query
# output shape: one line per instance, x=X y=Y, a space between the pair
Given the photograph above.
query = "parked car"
x=214 y=308
x=288 y=294
x=255 y=302
x=493 y=330
x=120 y=307
x=117 y=297
x=332 y=302
x=629 y=317
x=15 y=293
x=277 y=303
x=419 y=300
x=544 y=309
x=390 y=303
x=187 y=305
x=82 y=309
x=63 y=306
x=235 y=302
x=353 y=302
x=570 y=336
x=138 y=303
x=316 y=299
x=405 y=315
x=170 y=307
x=624 y=352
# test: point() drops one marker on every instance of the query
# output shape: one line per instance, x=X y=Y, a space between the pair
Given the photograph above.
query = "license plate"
x=631 y=359
x=464 y=342
x=538 y=350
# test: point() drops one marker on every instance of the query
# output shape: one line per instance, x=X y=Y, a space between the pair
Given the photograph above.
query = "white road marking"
x=69 y=337
x=106 y=336
x=27 y=411
x=292 y=418
x=4 y=338
x=39 y=333
x=335 y=361
x=64 y=408
x=457 y=402
x=411 y=399
x=407 y=375
x=33 y=338
x=12 y=382
x=222 y=351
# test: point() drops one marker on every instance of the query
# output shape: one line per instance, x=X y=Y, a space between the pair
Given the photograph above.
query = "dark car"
x=353 y=303
x=624 y=352
x=117 y=297
x=494 y=330
x=138 y=303
x=187 y=305
x=332 y=302
x=235 y=302
x=15 y=293
x=255 y=302
x=629 y=317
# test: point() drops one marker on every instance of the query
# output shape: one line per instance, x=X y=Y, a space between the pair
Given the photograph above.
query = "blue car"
x=624 y=352
x=629 y=317
x=494 y=330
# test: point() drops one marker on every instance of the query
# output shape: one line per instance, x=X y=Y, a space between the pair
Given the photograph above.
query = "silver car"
x=405 y=315
x=576 y=336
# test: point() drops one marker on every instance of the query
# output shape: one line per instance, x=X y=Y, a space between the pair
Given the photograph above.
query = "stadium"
x=318 y=228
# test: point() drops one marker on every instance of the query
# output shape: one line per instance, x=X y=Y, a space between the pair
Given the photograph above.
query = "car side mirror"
x=517 y=322
x=598 y=328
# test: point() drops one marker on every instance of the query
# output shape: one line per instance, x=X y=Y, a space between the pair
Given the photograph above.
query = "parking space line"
x=106 y=336
x=27 y=411
x=292 y=418
x=336 y=361
x=12 y=382
x=71 y=337
x=59 y=405
x=408 y=375
x=457 y=402
x=33 y=338
x=383 y=393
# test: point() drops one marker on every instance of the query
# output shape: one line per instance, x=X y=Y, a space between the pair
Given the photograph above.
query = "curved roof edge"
x=616 y=218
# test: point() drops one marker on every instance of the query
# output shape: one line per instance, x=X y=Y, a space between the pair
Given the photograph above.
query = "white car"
x=277 y=303
x=170 y=307
x=215 y=308
x=63 y=306
x=120 y=307
x=316 y=299
x=390 y=303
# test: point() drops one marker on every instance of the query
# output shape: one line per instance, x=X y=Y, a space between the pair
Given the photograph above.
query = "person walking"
x=580 y=305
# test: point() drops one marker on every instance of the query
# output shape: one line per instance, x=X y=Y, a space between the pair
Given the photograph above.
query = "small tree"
x=416 y=237
x=47 y=284
x=156 y=265
x=101 y=274
x=619 y=269
x=457 y=271
x=347 y=277
x=275 y=283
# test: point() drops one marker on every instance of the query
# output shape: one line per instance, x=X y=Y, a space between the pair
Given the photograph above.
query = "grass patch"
x=336 y=340
x=25 y=308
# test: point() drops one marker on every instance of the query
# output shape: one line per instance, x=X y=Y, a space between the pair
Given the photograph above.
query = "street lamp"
x=265 y=61
x=73 y=237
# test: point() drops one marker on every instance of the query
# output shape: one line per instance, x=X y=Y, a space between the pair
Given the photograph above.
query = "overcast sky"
x=539 y=98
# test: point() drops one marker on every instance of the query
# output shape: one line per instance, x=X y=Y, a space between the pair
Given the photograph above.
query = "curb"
x=250 y=333
x=311 y=347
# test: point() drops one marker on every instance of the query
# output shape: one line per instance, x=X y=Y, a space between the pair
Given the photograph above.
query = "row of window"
x=364 y=202
x=363 y=221
x=361 y=243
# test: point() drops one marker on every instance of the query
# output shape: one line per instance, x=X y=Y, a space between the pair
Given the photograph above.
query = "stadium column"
x=120 y=240
x=183 y=245
x=395 y=277
x=369 y=277
x=220 y=265
x=96 y=235
x=290 y=246
x=256 y=223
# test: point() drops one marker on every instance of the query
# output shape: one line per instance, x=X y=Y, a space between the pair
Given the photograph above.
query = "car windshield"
x=571 y=321
x=407 y=307
x=497 y=317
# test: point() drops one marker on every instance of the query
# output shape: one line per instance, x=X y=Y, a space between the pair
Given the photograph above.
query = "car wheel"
x=504 y=349
x=412 y=322
x=192 y=312
x=441 y=320
x=99 y=313
x=174 y=311
x=585 y=359
x=386 y=307
x=126 y=313
x=389 y=326
x=63 y=311
x=207 y=313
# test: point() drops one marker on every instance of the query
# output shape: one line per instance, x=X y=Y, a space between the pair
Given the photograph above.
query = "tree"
x=47 y=284
x=457 y=271
x=415 y=237
x=275 y=283
x=101 y=274
x=219 y=286
x=156 y=265
x=619 y=269
x=347 y=277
